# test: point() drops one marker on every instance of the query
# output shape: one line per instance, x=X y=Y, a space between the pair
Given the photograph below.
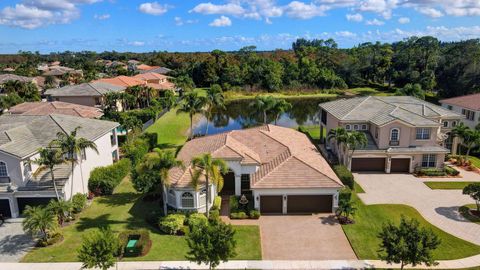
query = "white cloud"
x=383 y=7
x=136 y=43
x=154 y=8
x=375 y=22
x=102 y=16
x=221 y=22
x=403 y=20
x=354 y=17
x=300 y=10
x=209 y=8
x=179 y=21
x=345 y=34
x=430 y=12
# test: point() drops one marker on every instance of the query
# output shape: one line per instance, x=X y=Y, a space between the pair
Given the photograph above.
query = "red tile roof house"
x=279 y=166
x=468 y=105
x=56 y=107
x=156 y=81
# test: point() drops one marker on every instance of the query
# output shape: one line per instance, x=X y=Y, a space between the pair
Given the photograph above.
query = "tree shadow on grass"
x=166 y=146
x=118 y=199
x=102 y=221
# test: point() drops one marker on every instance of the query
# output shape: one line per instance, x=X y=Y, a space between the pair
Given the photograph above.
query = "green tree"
x=214 y=100
x=413 y=90
x=184 y=82
x=279 y=107
x=10 y=100
x=263 y=104
x=99 y=249
x=340 y=136
x=211 y=169
x=473 y=190
x=407 y=243
x=169 y=99
x=49 y=158
x=61 y=209
x=471 y=139
x=211 y=243
x=346 y=208
x=39 y=221
x=355 y=140
x=192 y=104
x=460 y=131
x=28 y=91
x=129 y=122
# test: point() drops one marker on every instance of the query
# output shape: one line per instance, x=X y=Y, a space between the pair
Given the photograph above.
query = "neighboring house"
x=404 y=133
x=12 y=77
x=123 y=81
x=467 y=105
x=156 y=81
x=20 y=138
x=87 y=94
x=60 y=71
x=55 y=107
x=156 y=69
x=280 y=167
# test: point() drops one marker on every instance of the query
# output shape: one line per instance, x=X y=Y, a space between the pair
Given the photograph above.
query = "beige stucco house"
x=468 y=105
x=87 y=94
x=404 y=133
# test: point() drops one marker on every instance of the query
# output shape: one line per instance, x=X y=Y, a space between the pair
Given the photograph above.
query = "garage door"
x=306 y=204
x=5 y=208
x=23 y=202
x=368 y=164
x=271 y=204
x=400 y=165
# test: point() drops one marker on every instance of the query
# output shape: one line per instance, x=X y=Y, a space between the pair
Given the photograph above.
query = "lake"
x=239 y=115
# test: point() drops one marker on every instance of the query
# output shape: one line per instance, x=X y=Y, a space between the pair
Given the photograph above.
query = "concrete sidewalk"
x=469 y=262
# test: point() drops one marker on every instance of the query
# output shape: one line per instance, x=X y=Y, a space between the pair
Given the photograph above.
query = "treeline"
x=452 y=68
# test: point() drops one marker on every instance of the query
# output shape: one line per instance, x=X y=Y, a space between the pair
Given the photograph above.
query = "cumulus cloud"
x=403 y=20
x=154 y=8
x=137 y=43
x=354 y=17
x=221 y=22
x=300 y=10
x=102 y=16
x=375 y=22
x=345 y=34
x=430 y=12
x=209 y=8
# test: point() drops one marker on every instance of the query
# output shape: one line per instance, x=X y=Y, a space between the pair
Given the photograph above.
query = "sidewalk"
x=273 y=265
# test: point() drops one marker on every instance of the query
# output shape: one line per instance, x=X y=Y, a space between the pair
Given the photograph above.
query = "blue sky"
x=184 y=25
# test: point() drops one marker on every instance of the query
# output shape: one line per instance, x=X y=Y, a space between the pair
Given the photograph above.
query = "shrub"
x=79 y=201
x=195 y=219
x=141 y=247
x=172 y=224
x=255 y=214
x=217 y=203
x=345 y=175
x=103 y=180
x=451 y=171
x=345 y=194
x=238 y=215
x=54 y=238
x=135 y=150
x=431 y=172
x=233 y=203
x=151 y=138
x=214 y=214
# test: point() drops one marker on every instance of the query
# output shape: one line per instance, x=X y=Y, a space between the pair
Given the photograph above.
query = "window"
x=245 y=182
x=187 y=200
x=28 y=166
x=470 y=115
x=394 y=134
x=348 y=127
x=429 y=160
x=355 y=127
x=364 y=127
x=203 y=197
x=97 y=101
x=445 y=123
x=3 y=169
x=454 y=123
x=423 y=134
x=449 y=107
x=324 y=117
x=115 y=156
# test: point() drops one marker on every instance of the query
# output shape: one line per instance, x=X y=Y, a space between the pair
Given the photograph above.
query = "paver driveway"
x=14 y=243
x=303 y=237
x=439 y=207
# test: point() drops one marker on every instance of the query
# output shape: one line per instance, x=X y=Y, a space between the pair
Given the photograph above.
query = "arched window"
x=203 y=197
x=187 y=200
x=347 y=127
x=3 y=169
x=394 y=134
x=454 y=123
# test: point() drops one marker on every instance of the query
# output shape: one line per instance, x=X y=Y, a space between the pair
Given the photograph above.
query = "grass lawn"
x=235 y=95
x=475 y=161
x=367 y=91
x=447 y=185
x=369 y=220
x=172 y=129
x=125 y=210
x=464 y=211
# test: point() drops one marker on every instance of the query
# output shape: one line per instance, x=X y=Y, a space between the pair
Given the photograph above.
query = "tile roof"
x=95 y=89
x=151 y=76
x=160 y=70
x=12 y=77
x=23 y=135
x=56 y=107
x=471 y=102
x=145 y=67
x=124 y=81
x=285 y=158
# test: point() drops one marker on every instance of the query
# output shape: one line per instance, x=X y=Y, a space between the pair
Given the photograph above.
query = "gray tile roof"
x=23 y=135
x=12 y=77
x=85 y=89
x=159 y=70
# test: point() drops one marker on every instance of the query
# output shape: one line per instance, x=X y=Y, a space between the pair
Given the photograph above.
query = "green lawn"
x=447 y=185
x=172 y=129
x=464 y=211
x=126 y=210
x=235 y=95
x=367 y=91
x=475 y=161
x=369 y=220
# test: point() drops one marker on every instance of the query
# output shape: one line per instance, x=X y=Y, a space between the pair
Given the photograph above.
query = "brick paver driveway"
x=439 y=207
x=14 y=243
x=308 y=237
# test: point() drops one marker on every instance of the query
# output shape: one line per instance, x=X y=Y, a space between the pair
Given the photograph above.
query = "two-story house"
x=404 y=133
x=87 y=94
x=468 y=105
x=21 y=136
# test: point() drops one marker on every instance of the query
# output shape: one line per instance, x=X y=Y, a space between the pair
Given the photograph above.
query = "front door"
x=228 y=184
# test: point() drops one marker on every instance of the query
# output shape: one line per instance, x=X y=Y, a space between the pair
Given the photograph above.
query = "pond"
x=238 y=115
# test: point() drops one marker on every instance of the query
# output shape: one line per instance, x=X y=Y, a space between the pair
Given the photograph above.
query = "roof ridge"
x=356 y=107
x=94 y=88
x=280 y=159
x=55 y=121
x=301 y=160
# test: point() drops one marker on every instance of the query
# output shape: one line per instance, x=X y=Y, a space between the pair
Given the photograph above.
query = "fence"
x=151 y=121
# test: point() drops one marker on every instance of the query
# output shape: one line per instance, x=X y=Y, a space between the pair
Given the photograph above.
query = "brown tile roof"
x=471 y=102
x=151 y=76
x=146 y=67
x=285 y=158
x=123 y=81
x=56 y=107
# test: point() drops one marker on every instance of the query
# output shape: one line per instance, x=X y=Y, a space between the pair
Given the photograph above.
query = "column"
x=389 y=164
x=238 y=184
x=454 y=145
x=322 y=139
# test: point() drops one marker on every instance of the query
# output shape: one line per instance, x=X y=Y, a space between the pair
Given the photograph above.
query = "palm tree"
x=192 y=104
x=214 y=100
x=73 y=147
x=169 y=99
x=263 y=104
x=49 y=158
x=211 y=169
x=471 y=139
x=38 y=220
x=280 y=106
x=61 y=209
x=460 y=131
x=160 y=162
x=355 y=140
x=340 y=136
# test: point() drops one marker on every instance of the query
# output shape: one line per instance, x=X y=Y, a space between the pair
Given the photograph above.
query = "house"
x=56 y=107
x=156 y=80
x=4 y=78
x=279 y=166
x=156 y=69
x=21 y=136
x=404 y=133
x=468 y=105
x=87 y=94
x=123 y=81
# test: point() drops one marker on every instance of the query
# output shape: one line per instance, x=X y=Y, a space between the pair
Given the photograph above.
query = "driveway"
x=439 y=207
x=14 y=243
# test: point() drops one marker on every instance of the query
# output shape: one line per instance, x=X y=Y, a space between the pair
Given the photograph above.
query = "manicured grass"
x=447 y=185
x=126 y=210
x=172 y=129
x=369 y=220
x=475 y=161
x=366 y=91
x=314 y=131
x=465 y=213
x=235 y=95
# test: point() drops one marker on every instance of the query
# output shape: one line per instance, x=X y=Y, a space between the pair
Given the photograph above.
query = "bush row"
x=103 y=180
x=180 y=224
x=345 y=175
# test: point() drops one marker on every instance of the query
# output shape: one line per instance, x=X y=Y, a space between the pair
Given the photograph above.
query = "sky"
x=205 y=25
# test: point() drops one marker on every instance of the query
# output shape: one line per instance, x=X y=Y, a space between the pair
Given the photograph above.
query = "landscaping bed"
x=447 y=185
x=470 y=212
x=447 y=172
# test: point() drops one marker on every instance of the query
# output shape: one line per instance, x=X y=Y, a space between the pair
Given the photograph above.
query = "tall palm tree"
x=49 y=158
x=38 y=221
x=160 y=162
x=340 y=136
x=72 y=148
x=471 y=139
x=460 y=131
x=355 y=140
x=263 y=104
x=169 y=99
x=192 y=104
x=280 y=106
x=212 y=169
x=214 y=100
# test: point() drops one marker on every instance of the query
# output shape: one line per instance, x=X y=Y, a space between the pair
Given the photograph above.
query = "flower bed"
x=239 y=211
x=142 y=244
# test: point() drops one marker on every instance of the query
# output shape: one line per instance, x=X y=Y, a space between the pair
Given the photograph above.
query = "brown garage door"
x=271 y=204
x=400 y=165
x=368 y=164
x=306 y=204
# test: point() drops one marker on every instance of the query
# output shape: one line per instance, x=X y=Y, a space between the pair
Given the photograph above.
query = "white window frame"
x=429 y=161
x=183 y=198
x=203 y=197
x=423 y=131
x=364 y=127
x=3 y=169
x=398 y=134
x=356 y=127
x=445 y=124
x=348 y=127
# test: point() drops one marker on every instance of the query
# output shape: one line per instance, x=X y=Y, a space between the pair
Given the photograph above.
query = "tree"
x=355 y=140
x=471 y=139
x=263 y=104
x=169 y=99
x=192 y=104
x=184 y=82
x=39 y=220
x=73 y=148
x=460 y=131
x=473 y=190
x=407 y=243
x=413 y=90
x=99 y=249
x=130 y=122
x=280 y=106
x=211 y=243
x=26 y=90
x=340 y=136
x=61 y=209
x=210 y=168
x=49 y=158
x=346 y=208
x=214 y=100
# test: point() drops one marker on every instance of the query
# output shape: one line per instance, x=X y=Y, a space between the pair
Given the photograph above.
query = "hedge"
x=432 y=172
x=79 y=201
x=344 y=175
x=172 y=224
x=451 y=171
x=196 y=219
x=141 y=247
x=103 y=180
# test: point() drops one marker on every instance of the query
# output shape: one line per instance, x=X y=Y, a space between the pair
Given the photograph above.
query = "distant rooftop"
x=56 y=107
x=471 y=102
x=98 y=88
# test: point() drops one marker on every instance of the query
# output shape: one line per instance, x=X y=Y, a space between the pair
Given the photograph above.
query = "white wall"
x=467 y=122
